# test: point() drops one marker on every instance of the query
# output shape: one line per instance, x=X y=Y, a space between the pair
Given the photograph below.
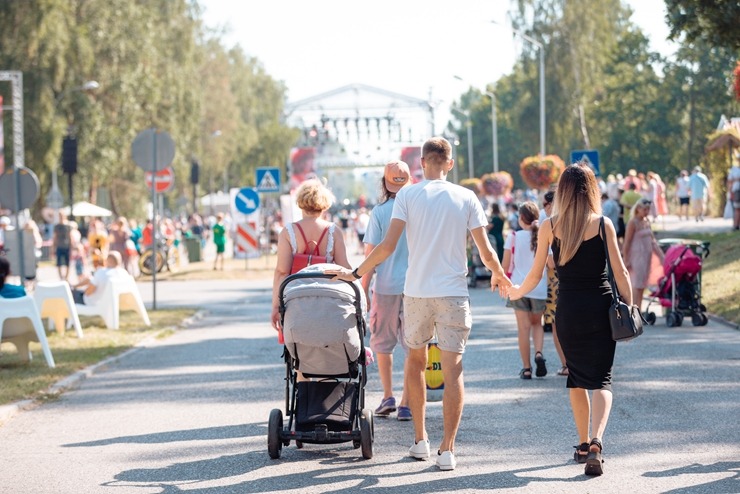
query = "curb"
x=74 y=380
x=722 y=320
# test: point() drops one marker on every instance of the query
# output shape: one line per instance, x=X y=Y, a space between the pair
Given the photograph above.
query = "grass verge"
x=22 y=381
x=720 y=273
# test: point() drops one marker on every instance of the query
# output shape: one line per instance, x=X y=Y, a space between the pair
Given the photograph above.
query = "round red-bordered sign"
x=164 y=180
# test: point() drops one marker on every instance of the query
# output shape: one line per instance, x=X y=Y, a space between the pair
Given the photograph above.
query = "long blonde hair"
x=578 y=197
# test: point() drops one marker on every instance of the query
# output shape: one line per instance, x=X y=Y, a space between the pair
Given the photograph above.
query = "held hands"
x=515 y=292
x=502 y=283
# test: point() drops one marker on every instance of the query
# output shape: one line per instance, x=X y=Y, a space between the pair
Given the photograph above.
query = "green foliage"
x=699 y=20
x=157 y=66
x=605 y=90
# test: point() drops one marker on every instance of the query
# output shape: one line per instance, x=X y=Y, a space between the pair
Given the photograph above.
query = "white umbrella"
x=84 y=208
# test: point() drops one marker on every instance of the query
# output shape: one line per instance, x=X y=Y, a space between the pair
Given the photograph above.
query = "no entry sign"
x=164 y=180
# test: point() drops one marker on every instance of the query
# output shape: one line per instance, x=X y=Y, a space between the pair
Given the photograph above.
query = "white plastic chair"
x=20 y=324
x=54 y=301
x=118 y=294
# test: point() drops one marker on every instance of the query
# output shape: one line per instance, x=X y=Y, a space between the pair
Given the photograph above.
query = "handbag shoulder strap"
x=609 y=273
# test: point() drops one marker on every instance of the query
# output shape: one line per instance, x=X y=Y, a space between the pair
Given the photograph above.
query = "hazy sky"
x=413 y=47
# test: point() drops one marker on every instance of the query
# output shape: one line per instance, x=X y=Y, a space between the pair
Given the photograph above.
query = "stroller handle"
x=300 y=276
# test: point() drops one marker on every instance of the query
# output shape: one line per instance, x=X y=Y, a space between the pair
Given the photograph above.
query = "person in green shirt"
x=219 y=238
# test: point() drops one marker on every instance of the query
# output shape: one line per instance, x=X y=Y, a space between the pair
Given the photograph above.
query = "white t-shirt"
x=438 y=215
x=682 y=187
x=734 y=174
x=523 y=260
x=361 y=224
x=99 y=279
x=391 y=273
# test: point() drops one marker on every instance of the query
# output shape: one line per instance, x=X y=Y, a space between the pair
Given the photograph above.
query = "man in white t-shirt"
x=683 y=194
x=436 y=215
x=90 y=289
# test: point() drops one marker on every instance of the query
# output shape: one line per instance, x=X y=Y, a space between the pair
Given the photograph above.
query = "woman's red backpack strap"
x=323 y=234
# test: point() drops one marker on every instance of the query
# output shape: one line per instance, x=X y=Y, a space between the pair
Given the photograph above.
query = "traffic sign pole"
x=155 y=222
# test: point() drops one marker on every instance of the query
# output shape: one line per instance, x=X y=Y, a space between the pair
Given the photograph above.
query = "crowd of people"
x=547 y=256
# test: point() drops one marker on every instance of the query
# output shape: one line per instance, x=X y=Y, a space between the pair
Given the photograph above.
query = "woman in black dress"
x=583 y=302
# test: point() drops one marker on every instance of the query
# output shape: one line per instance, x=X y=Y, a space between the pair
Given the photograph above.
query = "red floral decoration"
x=497 y=184
x=736 y=73
x=539 y=172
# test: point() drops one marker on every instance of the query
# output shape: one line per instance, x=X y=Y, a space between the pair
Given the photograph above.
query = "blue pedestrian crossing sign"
x=247 y=200
x=268 y=179
x=588 y=157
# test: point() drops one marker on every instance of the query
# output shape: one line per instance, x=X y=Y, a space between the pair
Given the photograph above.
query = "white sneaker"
x=446 y=460
x=420 y=450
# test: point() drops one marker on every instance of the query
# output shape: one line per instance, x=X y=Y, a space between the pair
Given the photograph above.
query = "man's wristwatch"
x=355 y=274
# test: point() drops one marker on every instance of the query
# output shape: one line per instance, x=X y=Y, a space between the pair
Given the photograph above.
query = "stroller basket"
x=329 y=403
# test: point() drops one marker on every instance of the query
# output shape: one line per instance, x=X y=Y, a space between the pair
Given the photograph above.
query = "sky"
x=412 y=47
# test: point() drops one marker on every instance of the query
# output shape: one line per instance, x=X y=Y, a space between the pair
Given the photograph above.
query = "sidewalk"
x=671 y=223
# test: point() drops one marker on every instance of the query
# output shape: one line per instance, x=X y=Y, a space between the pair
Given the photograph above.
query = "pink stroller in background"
x=679 y=290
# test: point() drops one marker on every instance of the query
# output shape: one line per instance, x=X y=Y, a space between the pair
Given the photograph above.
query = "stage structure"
x=350 y=133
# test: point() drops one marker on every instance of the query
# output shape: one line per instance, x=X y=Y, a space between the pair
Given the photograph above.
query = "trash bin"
x=192 y=244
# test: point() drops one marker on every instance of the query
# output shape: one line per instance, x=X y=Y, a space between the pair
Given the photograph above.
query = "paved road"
x=189 y=414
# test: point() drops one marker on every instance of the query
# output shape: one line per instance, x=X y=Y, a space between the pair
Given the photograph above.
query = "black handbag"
x=625 y=320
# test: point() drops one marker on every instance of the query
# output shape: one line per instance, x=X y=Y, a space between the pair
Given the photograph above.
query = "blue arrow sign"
x=588 y=157
x=247 y=201
x=268 y=179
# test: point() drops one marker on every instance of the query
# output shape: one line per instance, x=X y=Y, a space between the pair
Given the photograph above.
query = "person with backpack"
x=310 y=240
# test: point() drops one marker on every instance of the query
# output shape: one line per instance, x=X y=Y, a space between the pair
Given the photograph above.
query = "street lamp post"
x=469 y=125
x=214 y=135
x=494 y=130
x=541 y=49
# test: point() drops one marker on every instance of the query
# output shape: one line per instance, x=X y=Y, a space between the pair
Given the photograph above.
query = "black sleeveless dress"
x=582 y=315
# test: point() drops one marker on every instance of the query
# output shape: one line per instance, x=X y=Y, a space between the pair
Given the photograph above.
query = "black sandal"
x=539 y=361
x=579 y=455
x=594 y=462
x=526 y=373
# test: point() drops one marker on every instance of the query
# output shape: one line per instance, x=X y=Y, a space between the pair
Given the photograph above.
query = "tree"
x=714 y=23
x=157 y=66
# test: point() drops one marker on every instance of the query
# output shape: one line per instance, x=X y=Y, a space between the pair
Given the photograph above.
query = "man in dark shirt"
x=61 y=244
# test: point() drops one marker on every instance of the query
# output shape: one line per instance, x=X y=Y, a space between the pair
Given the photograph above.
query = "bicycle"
x=167 y=255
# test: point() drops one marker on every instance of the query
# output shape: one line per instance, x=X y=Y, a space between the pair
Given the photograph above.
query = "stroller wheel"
x=702 y=308
x=299 y=444
x=699 y=319
x=650 y=318
x=679 y=318
x=274 y=428
x=366 y=433
x=671 y=320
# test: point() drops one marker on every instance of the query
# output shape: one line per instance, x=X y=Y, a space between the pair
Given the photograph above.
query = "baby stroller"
x=324 y=330
x=679 y=290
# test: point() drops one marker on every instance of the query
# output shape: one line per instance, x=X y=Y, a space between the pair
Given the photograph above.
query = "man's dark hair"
x=436 y=150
